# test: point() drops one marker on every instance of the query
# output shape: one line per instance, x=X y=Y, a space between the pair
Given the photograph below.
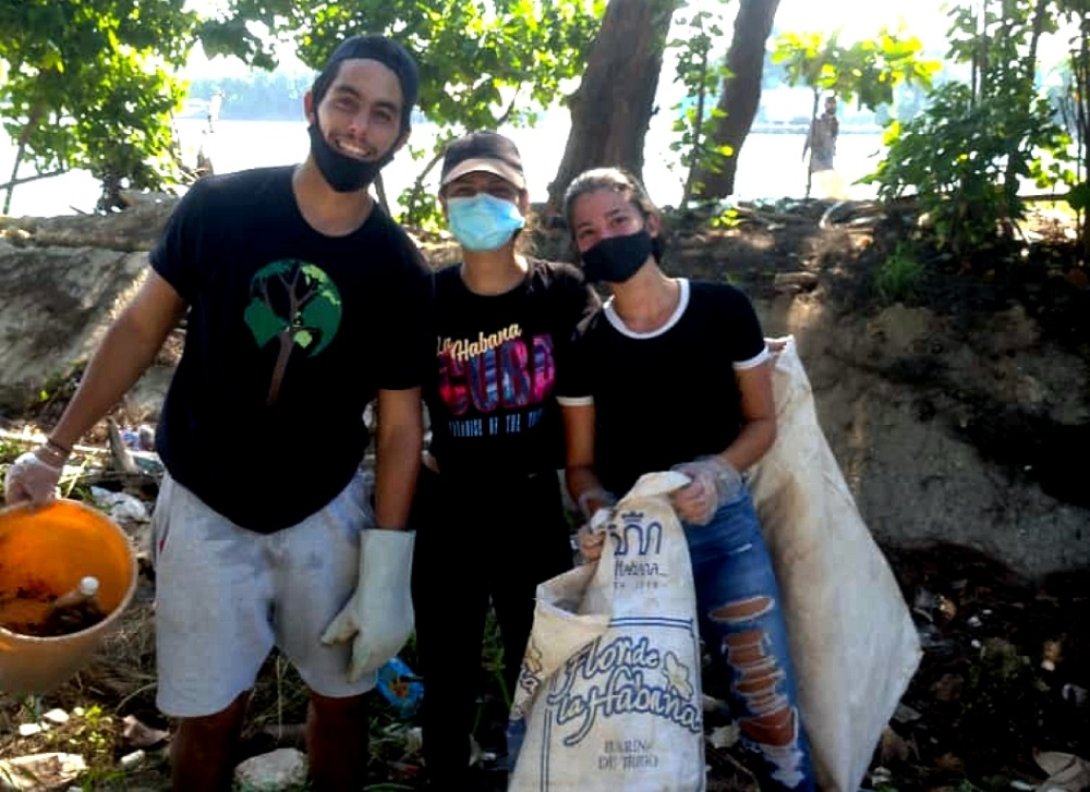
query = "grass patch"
x=898 y=277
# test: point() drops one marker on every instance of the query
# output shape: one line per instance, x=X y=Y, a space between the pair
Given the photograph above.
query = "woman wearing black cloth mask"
x=675 y=374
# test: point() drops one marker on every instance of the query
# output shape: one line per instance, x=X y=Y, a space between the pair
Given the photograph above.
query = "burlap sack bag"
x=608 y=697
x=853 y=643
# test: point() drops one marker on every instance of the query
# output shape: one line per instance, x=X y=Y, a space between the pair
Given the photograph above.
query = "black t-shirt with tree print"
x=670 y=395
x=289 y=335
x=493 y=408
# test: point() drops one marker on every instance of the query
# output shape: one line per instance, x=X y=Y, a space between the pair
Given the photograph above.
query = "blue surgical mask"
x=483 y=222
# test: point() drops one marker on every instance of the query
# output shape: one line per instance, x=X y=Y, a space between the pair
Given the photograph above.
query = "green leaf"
x=322 y=314
x=263 y=322
x=1079 y=197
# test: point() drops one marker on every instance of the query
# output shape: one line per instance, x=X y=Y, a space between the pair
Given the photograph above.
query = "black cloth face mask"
x=616 y=259
x=344 y=173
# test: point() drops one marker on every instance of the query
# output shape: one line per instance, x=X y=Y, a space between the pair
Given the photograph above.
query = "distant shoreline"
x=801 y=129
x=196 y=110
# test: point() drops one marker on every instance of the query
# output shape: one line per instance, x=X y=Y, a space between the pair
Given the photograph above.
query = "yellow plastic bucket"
x=51 y=549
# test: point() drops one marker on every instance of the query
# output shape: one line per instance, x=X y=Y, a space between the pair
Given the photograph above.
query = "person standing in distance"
x=305 y=301
x=821 y=139
x=821 y=175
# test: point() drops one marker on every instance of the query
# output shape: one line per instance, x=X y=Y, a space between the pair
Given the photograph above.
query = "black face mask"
x=616 y=259
x=344 y=173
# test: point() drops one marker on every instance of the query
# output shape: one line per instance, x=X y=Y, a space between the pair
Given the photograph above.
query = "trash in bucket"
x=72 y=611
x=45 y=554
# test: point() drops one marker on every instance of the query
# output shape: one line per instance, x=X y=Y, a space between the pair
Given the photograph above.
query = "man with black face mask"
x=304 y=302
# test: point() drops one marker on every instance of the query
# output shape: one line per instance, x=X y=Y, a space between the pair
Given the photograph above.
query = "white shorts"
x=225 y=596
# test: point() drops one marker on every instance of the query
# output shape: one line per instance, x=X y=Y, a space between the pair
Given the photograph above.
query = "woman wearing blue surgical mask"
x=675 y=374
x=490 y=521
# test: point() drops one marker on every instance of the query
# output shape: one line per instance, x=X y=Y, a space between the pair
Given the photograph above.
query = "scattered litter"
x=905 y=714
x=132 y=759
x=400 y=686
x=40 y=771
x=1066 y=772
x=139 y=735
x=947 y=607
x=1051 y=655
x=893 y=747
x=57 y=716
x=724 y=736
x=1079 y=696
x=712 y=704
x=282 y=769
x=414 y=741
x=880 y=775
x=121 y=506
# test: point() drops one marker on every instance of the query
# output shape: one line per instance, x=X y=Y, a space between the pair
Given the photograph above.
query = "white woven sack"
x=608 y=698
x=853 y=643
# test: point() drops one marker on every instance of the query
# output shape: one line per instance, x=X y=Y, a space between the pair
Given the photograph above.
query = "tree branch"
x=36 y=177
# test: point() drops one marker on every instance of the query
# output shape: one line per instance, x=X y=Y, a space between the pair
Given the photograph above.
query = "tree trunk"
x=612 y=107
x=741 y=92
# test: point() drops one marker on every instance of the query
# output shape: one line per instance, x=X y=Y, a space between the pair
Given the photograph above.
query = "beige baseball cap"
x=490 y=152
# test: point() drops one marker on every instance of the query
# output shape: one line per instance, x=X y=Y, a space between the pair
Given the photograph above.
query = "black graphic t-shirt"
x=289 y=335
x=492 y=407
x=670 y=395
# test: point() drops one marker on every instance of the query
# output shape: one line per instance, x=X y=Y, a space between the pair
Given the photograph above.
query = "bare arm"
x=127 y=349
x=715 y=481
x=759 y=417
x=398 y=442
x=579 y=468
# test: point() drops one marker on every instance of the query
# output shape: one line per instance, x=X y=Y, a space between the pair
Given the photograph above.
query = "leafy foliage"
x=483 y=63
x=898 y=277
x=86 y=85
x=956 y=156
x=966 y=154
x=1074 y=105
x=866 y=72
x=697 y=115
x=91 y=84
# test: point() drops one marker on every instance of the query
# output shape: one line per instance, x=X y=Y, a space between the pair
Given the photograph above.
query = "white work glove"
x=714 y=483
x=33 y=477
x=380 y=612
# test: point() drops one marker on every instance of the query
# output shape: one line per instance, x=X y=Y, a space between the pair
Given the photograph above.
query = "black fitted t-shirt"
x=668 y=396
x=289 y=335
x=492 y=405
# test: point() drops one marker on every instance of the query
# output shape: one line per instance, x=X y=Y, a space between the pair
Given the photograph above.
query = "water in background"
x=770 y=165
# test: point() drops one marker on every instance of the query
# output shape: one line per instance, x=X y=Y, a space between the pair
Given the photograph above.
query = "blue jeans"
x=738 y=602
